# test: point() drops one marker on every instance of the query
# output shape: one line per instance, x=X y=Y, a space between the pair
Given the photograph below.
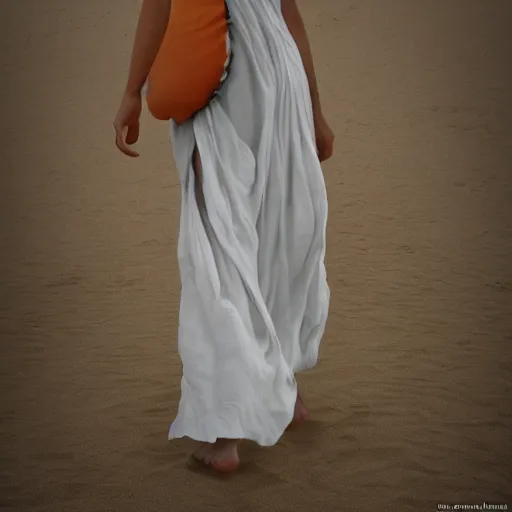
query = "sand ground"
x=411 y=401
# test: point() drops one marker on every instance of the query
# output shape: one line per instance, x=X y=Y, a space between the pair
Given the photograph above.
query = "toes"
x=200 y=453
x=209 y=456
x=221 y=456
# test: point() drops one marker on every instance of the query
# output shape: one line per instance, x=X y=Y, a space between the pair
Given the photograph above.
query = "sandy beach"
x=411 y=400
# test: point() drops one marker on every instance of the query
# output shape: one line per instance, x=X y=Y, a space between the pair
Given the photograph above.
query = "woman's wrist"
x=133 y=89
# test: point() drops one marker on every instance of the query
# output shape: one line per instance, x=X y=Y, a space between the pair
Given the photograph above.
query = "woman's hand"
x=153 y=21
x=127 y=123
x=324 y=138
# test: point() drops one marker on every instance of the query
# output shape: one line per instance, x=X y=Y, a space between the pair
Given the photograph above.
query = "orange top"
x=191 y=61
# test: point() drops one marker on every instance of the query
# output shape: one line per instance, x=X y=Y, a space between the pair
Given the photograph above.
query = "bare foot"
x=222 y=455
x=301 y=413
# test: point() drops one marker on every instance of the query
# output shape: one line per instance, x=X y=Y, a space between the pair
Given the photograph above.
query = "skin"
x=323 y=132
x=153 y=20
x=222 y=455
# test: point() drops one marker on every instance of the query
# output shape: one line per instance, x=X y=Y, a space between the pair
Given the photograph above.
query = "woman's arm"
x=323 y=133
x=293 y=19
x=153 y=21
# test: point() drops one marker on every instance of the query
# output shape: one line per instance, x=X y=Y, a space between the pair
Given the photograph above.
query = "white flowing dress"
x=254 y=297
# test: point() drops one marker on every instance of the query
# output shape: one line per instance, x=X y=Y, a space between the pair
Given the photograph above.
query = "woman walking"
x=251 y=248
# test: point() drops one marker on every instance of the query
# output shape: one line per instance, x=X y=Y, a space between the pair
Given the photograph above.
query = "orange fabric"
x=191 y=61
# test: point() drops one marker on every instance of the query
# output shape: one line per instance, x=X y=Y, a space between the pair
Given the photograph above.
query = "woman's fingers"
x=122 y=140
x=127 y=125
x=329 y=149
x=132 y=135
x=324 y=138
x=325 y=148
